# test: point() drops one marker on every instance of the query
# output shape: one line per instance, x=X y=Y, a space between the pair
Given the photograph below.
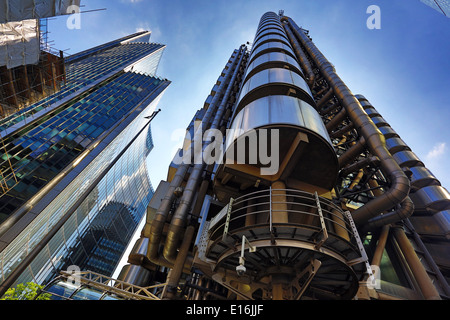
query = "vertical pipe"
x=175 y=274
x=159 y=221
x=310 y=76
x=376 y=259
x=418 y=270
x=375 y=141
x=357 y=179
x=429 y=258
x=250 y=217
x=179 y=218
x=279 y=206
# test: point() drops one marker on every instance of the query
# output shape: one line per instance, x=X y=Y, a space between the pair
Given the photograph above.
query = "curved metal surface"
x=277 y=109
x=443 y=218
x=407 y=159
x=268 y=23
x=268 y=27
x=388 y=132
x=274 y=81
x=139 y=251
x=396 y=144
x=431 y=198
x=272 y=60
x=271 y=47
x=270 y=33
x=134 y=274
x=379 y=121
x=316 y=162
x=422 y=177
x=372 y=112
x=276 y=37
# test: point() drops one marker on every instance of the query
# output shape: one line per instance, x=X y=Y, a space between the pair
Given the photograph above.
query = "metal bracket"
x=363 y=259
x=250 y=249
x=312 y=271
x=324 y=231
x=227 y=221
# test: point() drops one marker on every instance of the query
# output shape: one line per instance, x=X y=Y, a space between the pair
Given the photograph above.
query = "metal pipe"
x=328 y=109
x=157 y=225
x=359 y=165
x=342 y=131
x=352 y=152
x=278 y=202
x=310 y=76
x=400 y=184
x=405 y=210
x=357 y=179
x=336 y=120
x=420 y=274
x=175 y=274
x=382 y=239
x=179 y=218
x=443 y=282
x=324 y=99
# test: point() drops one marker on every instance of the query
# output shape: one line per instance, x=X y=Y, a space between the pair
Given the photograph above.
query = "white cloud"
x=437 y=151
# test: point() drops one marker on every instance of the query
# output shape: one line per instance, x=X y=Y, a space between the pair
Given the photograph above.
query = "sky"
x=401 y=68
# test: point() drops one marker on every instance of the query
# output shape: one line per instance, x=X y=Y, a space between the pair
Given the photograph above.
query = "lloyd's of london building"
x=350 y=213
x=74 y=184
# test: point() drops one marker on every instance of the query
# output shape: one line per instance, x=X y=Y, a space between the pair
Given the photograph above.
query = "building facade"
x=74 y=181
x=315 y=197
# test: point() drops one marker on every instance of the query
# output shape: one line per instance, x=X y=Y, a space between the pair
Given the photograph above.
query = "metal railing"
x=309 y=217
x=110 y=285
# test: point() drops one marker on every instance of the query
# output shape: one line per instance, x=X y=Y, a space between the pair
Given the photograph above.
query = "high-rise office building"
x=313 y=195
x=74 y=183
x=441 y=6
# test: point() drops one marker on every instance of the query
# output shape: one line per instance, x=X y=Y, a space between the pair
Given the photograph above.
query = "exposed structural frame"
x=349 y=196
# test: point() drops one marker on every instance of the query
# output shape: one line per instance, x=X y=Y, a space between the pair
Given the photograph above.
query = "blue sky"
x=401 y=68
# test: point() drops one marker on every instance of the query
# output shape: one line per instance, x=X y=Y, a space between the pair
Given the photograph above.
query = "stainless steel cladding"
x=275 y=97
x=314 y=191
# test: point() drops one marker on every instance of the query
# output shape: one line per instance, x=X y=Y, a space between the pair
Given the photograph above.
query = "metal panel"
x=266 y=37
x=372 y=112
x=422 y=177
x=396 y=144
x=271 y=46
x=407 y=159
x=272 y=32
x=432 y=198
x=273 y=76
x=388 y=132
x=379 y=121
x=278 y=109
x=136 y=275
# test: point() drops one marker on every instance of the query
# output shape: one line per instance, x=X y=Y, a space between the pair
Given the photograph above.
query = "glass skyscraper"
x=73 y=187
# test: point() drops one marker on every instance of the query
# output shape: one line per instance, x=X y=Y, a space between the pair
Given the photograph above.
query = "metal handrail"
x=308 y=200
